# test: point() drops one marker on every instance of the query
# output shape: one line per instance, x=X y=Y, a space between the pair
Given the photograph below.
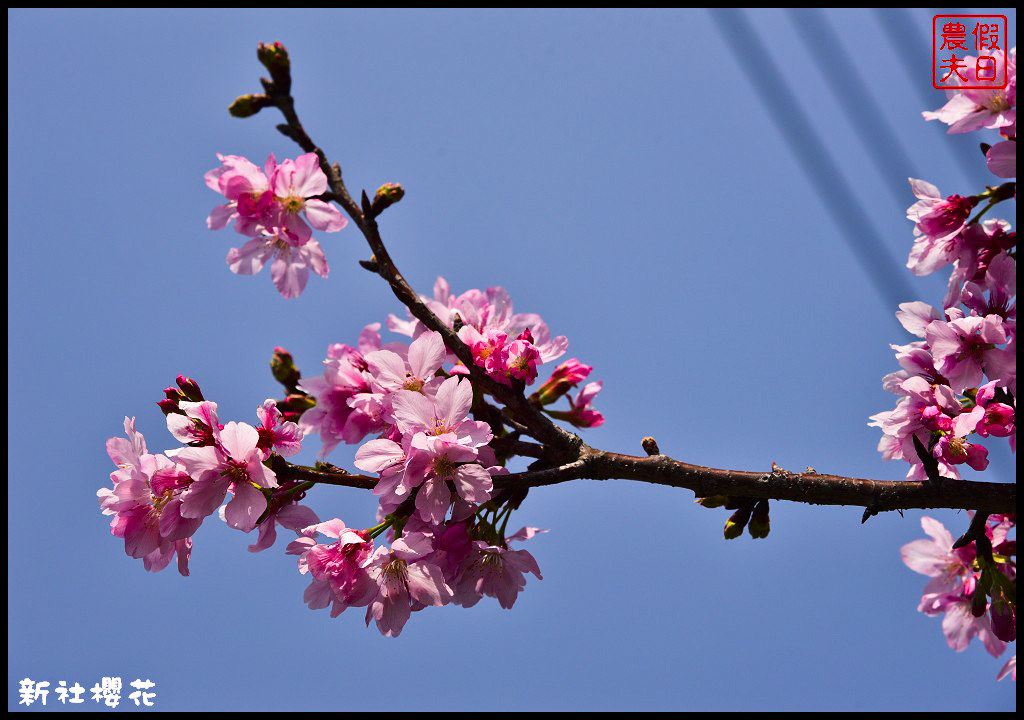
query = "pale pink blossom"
x=334 y=418
x=938 y=224
x=1001 y=159
x=974 y=109
x=496 y=571
x=295 y=184
x=145 y=503
x=291 y=260
x=235 y=463
x=963 y=349
x=247 y=189
x=291 y=516
x=405 y=581
x=438 y=462
x=195 y=424
x=446 y=412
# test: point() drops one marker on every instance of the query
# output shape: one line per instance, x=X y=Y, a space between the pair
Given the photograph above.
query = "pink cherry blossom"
x=195 y=424
x=963 y=349
x=291 y=260
x=581 y=413
x=437 y=462
x=953 y=449
x=296 y=183
x=969 y=110
x=146 y=503
x=334 y=418
x=496 y=571
x=938 y=224
x=405 y=580
x=1001 y=159
x=247 y=188
x=447 y=412
x=339 y=570
x=291 y=516
x=235 y=463
x=276 y=434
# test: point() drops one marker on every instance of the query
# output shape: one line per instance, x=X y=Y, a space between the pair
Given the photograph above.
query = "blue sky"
x=618 y=174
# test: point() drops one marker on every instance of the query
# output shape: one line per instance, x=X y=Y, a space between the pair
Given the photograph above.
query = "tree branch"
x=540 y=426
x=572 y=459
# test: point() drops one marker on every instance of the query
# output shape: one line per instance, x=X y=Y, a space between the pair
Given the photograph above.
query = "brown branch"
x=286 y=471
x=575 y=461
x=807 y=487
x=539 y=425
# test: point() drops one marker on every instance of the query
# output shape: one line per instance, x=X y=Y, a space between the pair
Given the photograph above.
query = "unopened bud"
x=248 y=105
x=189 y=388
x=650 y=446
x=712 y=501
x=173 y=393
x=736 y=522
x=294 y=405
x=386 y=196
x=565 y=377
x=1004 y=619
x=275 y=59
x=760 y=524
x=169 y=407
x=282 y=365
x=979 y=603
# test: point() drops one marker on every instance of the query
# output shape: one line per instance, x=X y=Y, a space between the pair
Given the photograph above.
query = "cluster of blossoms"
x=974 y=591
x=958 y=381
x=275 y=207
x=440 y=511
x=159 y=501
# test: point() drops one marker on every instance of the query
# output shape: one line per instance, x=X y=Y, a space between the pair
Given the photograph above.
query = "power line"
x=847 y=86
x=904 y=36
x=824 y=174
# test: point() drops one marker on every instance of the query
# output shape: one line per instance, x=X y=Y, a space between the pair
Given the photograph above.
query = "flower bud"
x=189 y=388
x=565 y=377
x=294 y=405
x=387 y=195
x=169 y=407
x=275 y=59
x=760 y=524
x=248 y=105
x=650 y=446
x=736 y=522
x=173 y=393
x=1004 y=619
x=712 y=501
x=282 y=365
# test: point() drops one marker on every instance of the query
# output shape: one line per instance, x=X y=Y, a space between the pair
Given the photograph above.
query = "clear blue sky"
x=616 y=172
